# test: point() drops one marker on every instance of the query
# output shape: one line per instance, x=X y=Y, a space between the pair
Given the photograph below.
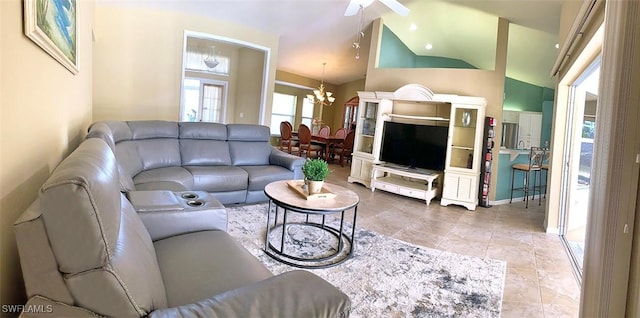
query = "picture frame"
x=52 y=25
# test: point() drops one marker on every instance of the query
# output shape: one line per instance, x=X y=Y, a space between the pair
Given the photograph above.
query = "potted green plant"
x=315 y=171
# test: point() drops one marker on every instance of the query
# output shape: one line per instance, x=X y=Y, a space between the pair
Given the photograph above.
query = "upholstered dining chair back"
x=325 y=131
x=304 y=134
x=285 y=137
x=340 y=133
x=347 y=147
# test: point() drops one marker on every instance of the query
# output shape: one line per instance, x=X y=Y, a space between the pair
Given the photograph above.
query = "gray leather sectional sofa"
x=233 y=162
x=84 y=250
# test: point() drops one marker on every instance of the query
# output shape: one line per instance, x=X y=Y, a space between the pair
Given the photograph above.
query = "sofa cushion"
x=120 y=129
x=168 y=178
x=260 y=176
x=202 y=130
x=153 y=129
x=249 y=144
x=204 y=152
x=213 y=263
x=247 y=132
x=218 y=178
x=158 y=153
x=249 y=153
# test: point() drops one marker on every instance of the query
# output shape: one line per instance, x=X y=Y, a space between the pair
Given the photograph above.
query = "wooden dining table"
x=325 y=141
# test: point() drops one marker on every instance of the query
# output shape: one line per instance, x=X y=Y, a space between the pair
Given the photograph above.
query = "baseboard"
x=518 y=199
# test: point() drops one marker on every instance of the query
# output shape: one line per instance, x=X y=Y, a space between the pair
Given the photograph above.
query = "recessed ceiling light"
x=557 y=45
x=429 y=46
x=413 y=27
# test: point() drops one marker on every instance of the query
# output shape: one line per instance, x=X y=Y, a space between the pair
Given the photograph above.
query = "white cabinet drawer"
x=418 y=194
x=386 y=187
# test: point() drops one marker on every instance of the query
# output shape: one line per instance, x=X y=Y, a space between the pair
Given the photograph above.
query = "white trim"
x=265 y=75
x=613 y=204
x=582 y=21
x=283 y=83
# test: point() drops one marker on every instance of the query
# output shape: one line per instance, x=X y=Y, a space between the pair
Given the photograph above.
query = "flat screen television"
x=414 y=146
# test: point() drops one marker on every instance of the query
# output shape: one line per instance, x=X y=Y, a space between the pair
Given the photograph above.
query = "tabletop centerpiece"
x=315 y=172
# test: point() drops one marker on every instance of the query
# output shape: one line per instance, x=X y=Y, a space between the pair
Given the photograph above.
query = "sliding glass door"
x=576 y=178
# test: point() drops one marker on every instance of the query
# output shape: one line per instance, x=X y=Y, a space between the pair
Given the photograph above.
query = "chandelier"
x=210 y=59
x=320 y=96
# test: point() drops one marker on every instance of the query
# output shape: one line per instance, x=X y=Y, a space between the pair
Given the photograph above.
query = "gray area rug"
x=387 y=277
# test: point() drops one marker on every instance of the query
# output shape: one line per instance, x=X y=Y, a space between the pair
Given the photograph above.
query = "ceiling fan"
x=355 y=5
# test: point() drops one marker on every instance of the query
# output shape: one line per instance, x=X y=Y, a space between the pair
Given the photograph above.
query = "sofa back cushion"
x=249 y=144
x=102 y=248
x=156 y=143
x=103 y=131
x=204 y=144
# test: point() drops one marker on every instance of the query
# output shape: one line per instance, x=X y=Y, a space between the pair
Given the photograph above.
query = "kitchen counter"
x=514 y=153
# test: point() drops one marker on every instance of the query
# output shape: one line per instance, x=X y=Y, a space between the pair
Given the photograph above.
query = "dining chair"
x=340 y=133
x=534 y=166
x=286 y=138
x=345 y=150
x=325 y=131
x=305 y=145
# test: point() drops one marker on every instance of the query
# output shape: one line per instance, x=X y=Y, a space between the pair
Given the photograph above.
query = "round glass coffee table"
x=309 y=233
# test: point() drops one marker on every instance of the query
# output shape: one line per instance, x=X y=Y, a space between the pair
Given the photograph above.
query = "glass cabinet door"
x=463 y=136
x=367 y=127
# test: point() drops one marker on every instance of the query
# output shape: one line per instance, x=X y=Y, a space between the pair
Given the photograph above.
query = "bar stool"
x=535 y=162
x=544 y=167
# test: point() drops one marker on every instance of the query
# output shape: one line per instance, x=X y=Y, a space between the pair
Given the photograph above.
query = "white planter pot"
x=314 y=186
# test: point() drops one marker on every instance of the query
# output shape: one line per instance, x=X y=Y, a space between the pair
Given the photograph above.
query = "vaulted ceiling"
x=316 y=31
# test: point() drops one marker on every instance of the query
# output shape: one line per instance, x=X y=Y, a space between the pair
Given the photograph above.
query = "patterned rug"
x=386 y=277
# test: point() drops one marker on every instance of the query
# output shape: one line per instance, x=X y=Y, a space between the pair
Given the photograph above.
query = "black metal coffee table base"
x=282 y=253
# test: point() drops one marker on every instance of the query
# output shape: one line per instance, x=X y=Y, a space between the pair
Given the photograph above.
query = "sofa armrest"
x=292 y=294
x=289 y=161
x=39 y=306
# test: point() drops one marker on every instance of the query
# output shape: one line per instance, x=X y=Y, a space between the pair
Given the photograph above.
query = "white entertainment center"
x=416 y=104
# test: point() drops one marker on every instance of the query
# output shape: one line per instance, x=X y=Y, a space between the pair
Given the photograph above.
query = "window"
x=196 y=56
x=203 y=100
x=284 y=109
x=307 y=112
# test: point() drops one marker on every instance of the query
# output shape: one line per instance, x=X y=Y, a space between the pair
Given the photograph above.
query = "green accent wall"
x=547 y=122
x=523 y=96
x=423 y=61
x=395 y=54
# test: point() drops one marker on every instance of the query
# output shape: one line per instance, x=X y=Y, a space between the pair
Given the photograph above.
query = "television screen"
x=415 y=146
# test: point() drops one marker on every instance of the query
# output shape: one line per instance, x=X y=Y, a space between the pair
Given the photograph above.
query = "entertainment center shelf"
x=416 y=117
x=416 y=183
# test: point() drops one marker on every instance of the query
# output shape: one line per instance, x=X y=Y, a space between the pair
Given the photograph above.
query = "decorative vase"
x=466 y=119
x=315 y=186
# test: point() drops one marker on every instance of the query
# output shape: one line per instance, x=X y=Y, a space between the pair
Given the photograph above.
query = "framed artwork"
x=52 y=25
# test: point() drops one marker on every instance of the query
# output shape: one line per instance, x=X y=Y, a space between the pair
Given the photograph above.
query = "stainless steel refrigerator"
x=509 y=135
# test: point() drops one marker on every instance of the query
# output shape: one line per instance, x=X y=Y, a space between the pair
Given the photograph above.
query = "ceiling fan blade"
x=397 y=7
x=354 y=7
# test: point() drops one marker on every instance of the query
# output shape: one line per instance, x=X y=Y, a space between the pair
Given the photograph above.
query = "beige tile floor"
x=539 y=280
